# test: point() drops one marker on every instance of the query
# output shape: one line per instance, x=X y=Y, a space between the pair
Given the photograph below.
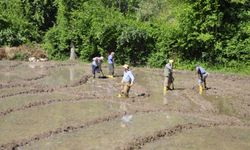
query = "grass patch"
x=240 y=69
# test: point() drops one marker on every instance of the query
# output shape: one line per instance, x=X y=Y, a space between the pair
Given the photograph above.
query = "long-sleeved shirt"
x=200 y=70
x=128 y=76
x=110 y=59
x=168 y=70
x=94 y=63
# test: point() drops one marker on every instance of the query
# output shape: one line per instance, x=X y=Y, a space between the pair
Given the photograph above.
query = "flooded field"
x=59 y=106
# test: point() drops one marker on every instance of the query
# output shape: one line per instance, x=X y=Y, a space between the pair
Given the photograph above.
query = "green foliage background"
x=215 y=33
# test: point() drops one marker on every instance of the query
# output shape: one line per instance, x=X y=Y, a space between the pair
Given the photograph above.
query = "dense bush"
x=141 y=32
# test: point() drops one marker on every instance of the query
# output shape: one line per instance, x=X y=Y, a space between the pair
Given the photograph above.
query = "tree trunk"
x=72 y=52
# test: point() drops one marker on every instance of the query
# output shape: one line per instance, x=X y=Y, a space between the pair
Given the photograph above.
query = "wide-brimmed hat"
x=125 y=66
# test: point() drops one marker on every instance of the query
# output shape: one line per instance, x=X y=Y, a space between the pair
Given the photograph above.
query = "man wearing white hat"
x=168 y=74
x=127 y=81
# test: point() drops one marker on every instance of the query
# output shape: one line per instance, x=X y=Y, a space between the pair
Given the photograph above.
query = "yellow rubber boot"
x=200 y=89
x=165 y=90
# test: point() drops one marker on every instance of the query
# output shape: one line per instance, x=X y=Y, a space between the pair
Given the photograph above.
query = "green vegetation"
x=215 y=33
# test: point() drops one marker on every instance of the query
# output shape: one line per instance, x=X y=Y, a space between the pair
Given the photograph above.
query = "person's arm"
x=100 y=66
x=199 y=74
x=132 y=78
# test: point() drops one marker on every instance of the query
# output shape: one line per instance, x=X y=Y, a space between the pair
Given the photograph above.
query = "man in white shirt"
x=127 y=81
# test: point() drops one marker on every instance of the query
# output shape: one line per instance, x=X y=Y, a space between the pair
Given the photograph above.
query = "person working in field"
x=96 y=65
x=127 y=81
x=202 y=76
x=111 y=65
x=168 y=74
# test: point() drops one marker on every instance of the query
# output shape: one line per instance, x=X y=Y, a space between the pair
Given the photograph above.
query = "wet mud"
x=17 y=144
x=225 y=104
x=139 y=142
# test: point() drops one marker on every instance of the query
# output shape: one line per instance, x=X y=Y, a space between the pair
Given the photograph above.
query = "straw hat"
x=125 y=66
x=171 y=61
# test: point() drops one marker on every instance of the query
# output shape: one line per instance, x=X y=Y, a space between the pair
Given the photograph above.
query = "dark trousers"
x=95 y=69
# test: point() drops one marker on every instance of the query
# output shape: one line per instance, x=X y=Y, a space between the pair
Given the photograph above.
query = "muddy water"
x=18 y=74
x=21 y=125
x=63 y=75
x=177 y=98
x=33 y=113
x=206 y=139
x=21 y=100
x=112 y=134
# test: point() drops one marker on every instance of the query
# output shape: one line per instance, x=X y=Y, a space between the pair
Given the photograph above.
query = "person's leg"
x=200 y=85
x=123 y=89
x=126 y=89
x=110 y=69
x=172 y=82
x=93 y=71
x=113 y=70
x=205 y=80
x=169 y=83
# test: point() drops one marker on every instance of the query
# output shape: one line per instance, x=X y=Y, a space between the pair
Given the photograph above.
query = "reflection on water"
x=126 y=118
x=62 y=76
x=165 y=99
x=124 y=107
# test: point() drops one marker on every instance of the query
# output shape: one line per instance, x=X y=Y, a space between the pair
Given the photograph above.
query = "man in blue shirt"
x=111 y=65
x=202 y=76
x=127 y=81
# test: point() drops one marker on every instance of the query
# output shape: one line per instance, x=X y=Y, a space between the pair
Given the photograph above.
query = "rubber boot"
x=110 y=76
x=165 y=90
x=200 y=89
